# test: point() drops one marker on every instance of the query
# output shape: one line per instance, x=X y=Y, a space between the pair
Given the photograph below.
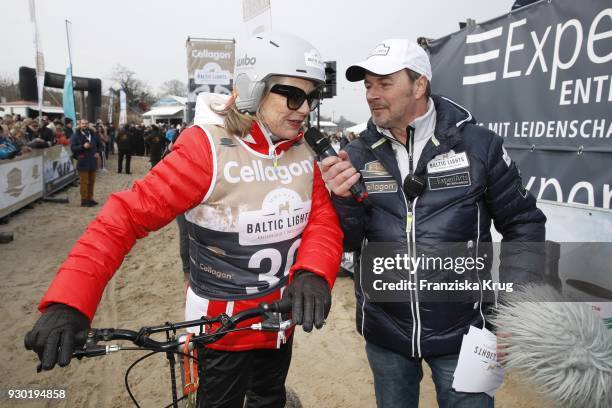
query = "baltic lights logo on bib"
x=283 y=216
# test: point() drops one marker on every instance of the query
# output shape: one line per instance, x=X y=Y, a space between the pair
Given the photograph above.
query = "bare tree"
x=9 y=89
x=137 y=92
x=173 y=87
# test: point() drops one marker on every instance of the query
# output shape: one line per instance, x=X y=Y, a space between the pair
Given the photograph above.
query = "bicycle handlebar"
x=142 y=338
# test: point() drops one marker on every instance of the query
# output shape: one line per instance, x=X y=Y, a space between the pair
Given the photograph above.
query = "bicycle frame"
x=173 y=344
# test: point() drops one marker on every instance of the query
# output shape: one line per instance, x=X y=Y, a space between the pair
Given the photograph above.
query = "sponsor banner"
x=58 y=168
x=210 y=66
x=540 y=78
x=21 y=182
x=567 y=177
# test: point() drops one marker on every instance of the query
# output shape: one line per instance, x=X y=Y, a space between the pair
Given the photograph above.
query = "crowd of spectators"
x=339 y=140
x=20 y=135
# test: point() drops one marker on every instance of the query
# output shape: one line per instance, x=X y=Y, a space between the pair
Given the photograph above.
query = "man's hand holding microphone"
x=339 y=174
x=337 y=171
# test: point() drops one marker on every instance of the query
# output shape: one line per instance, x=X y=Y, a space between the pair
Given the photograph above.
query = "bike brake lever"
x=95 y=351
x=90 y=351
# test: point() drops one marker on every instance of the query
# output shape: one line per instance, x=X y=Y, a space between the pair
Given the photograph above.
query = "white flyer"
x=477 y=368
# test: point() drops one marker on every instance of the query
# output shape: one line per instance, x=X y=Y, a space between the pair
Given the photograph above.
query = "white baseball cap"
x=390 y=56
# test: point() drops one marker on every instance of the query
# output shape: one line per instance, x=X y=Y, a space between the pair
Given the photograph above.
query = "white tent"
x=165 y=109
x=28 y=109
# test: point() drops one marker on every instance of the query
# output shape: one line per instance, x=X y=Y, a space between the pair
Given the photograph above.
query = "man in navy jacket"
x=433 y=177
x=85 y=146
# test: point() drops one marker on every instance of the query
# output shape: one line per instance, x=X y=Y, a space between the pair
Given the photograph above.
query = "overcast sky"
x=149 y=36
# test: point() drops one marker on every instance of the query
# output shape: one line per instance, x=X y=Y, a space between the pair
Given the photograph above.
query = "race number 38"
x=276 y=263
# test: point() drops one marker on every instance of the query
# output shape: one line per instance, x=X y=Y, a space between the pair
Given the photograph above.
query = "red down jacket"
x=176 y=184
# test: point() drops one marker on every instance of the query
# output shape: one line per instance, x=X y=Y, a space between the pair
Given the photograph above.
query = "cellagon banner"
x=210 y=68
x=540 y=77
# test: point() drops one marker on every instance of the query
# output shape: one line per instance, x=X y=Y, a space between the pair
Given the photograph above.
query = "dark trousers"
x=87 y=179
x=128 y=160
x=227 y=377
x=397 y=378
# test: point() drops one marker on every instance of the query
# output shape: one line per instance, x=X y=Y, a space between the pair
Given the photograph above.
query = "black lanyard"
x=410 y=134
x=413 y=185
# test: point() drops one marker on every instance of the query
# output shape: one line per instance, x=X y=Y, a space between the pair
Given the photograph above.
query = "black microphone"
x=321 y=146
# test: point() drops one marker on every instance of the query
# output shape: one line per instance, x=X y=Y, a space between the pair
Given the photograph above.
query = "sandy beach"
x=329 y=367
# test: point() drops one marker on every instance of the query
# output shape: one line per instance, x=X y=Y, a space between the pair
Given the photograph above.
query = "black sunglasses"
x=296 y=96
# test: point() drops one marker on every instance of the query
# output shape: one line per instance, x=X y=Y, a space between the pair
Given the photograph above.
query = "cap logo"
x=380 y=51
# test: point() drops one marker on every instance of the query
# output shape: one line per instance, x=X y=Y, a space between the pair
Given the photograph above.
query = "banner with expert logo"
x=540 y=77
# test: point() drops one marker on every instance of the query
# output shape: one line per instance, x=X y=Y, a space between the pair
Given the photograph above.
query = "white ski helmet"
x=269 y=54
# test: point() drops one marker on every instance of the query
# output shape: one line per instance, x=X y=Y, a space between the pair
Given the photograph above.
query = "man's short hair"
x=414 y=76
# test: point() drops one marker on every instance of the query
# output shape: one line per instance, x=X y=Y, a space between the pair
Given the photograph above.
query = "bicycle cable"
x=155 y=351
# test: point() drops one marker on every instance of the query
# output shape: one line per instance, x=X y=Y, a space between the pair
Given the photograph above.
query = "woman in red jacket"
x=259 y=218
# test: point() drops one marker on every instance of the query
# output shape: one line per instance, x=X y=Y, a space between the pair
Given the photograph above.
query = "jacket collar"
x=451 y=118
x=423 y=125
x=260 y=140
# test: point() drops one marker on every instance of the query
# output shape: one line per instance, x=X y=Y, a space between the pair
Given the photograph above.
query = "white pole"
x=68 y=40
x=40 y=59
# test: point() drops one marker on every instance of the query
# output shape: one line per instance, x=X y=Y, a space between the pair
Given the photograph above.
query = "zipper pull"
x=409 y=221
x=274 y=156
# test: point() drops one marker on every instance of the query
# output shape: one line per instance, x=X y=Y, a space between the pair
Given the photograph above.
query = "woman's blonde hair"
x=236 y=122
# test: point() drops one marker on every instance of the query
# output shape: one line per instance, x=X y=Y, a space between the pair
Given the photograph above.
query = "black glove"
x=311 y=299
x=55 y=335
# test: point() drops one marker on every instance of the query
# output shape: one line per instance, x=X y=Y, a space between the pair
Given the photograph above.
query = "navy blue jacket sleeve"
x=75 y=144
x=516 y=217
x=351 y=215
